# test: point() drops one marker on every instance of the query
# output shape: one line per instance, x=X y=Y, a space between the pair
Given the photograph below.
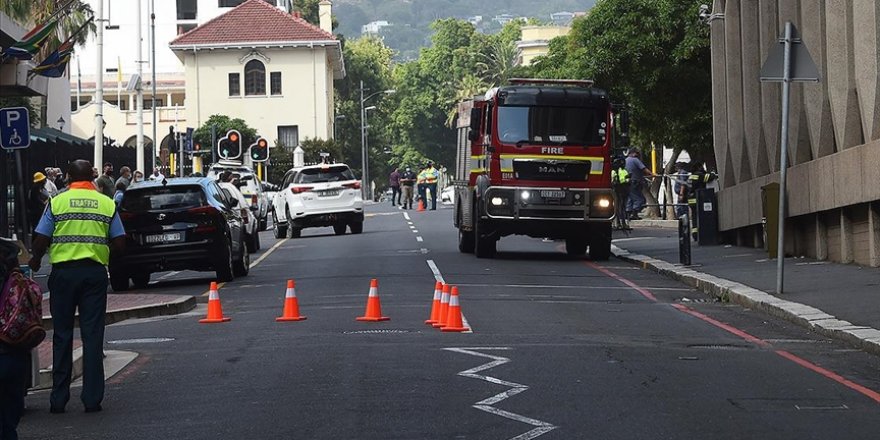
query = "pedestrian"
x=431 y=178
x=120 y=190
x=124 y=176
x=681 y=187
x=620 y=183
x=50 y=182
x=407 y=180
x=14 y=362
x=637 y=172
x=105 y=183
x=37 y=199
x=157 y=175
x=138 y=176
x=422 y=185
x=394 y=183
x=81 y=225
x=60 y=182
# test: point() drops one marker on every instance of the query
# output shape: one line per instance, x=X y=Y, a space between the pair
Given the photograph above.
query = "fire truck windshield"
x=552 y=125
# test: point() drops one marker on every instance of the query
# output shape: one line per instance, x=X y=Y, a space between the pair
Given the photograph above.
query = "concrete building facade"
x=833 y=184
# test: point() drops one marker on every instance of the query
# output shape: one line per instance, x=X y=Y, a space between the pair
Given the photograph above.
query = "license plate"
x=328 y=193
x=546 y=194
x=168 y=237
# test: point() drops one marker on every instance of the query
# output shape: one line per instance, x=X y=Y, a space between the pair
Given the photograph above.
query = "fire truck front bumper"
x=562 y=205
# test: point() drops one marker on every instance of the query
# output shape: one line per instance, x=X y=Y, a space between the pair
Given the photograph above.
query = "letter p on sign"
x=15 y=128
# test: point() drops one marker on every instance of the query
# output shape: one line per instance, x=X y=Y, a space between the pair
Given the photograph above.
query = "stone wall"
x=834 y=125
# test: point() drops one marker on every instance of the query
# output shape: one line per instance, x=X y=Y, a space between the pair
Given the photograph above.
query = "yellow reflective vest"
x=82 y=226
x=620 y=176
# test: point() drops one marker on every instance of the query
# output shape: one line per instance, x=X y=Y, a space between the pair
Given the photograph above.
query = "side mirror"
x=476 y=118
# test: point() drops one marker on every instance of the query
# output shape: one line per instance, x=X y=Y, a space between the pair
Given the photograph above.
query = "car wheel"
x=224 y=266
x=242 y=266
x=119 y=280
x=294 y=232
x=264 y=223
x=356 y=227
x=140 y=280
x=576 y=246
x=278 y=229
x=339 y=228
x=252 y=242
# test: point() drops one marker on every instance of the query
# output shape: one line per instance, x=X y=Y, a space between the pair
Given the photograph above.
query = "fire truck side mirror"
x=476 y=118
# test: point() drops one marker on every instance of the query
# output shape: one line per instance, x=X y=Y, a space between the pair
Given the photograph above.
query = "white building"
x=374 y=27
x=273 y=69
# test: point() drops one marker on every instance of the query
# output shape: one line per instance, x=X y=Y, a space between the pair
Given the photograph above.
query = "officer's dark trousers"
x=84 y=288
x=434 y=196
x=13 y=377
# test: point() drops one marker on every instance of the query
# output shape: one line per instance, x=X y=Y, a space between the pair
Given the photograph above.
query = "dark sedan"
x=179 y=224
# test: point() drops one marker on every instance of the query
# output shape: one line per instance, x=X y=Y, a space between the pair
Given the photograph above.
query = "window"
x=319 y=175
x=288 y=135
x=551 y=125
x=275 y=83
x=187 y=9
x=148 y=103
x=229 y=3
x=234 y=85
x=254 y=78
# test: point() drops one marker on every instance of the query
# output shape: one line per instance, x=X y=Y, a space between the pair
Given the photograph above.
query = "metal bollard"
x=684 y=240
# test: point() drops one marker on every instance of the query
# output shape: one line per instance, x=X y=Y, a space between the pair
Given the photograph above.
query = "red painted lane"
x=865 y=391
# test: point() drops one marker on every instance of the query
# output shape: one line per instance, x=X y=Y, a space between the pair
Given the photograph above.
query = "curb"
x=861 y=337
x=179 y=305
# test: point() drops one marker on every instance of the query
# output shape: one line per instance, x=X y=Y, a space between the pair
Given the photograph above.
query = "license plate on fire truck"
x=550 y=194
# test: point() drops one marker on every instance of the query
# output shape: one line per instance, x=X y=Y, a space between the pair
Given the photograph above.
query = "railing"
x=163 y=114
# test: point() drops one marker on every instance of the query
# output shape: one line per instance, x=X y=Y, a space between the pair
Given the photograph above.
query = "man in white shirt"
x=157 y=175
x=50 y=187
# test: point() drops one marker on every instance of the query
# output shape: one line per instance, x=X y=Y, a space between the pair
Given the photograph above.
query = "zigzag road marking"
x=541 y=427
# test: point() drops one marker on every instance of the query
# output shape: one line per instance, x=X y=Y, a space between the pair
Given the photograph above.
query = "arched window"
x=254 y=78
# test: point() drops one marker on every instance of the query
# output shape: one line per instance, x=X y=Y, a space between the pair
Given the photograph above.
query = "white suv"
x=252 y=188
x=316 y=196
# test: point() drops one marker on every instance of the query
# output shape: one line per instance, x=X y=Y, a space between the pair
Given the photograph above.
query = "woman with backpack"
x=14 y=361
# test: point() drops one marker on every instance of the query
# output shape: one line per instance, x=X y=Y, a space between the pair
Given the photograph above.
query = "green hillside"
x=410 y=19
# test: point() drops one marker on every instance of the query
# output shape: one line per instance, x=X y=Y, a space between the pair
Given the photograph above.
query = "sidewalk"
x=837 y=300
x=120 y=306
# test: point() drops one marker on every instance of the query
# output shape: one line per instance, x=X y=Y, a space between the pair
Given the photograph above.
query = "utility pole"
x=99 y=88
x=365 y=183
x=156 y=143
x=139 y=154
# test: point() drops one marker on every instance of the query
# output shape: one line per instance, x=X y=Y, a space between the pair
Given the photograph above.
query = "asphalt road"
x=561 y=349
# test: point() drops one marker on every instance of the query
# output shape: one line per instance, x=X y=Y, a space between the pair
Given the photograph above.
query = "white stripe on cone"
x=213 y=295
x=374 y=291
x=290 y=293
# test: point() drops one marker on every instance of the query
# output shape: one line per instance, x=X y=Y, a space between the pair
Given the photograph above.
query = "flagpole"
x=156 y=142
x=99 y=88
x=78 y=83
x=140 y=94
x=119 y=82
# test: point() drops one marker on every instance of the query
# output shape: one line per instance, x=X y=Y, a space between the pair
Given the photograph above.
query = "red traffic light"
x=233 y=137
x=262 y=143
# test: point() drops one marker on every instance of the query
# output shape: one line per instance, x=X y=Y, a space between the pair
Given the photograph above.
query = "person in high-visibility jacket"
x=697 y=180
x=429 y=176
x=620 y=183
x=78 y=229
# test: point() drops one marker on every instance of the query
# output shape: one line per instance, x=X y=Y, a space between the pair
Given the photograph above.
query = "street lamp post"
x=337 y=118
x=366 y=187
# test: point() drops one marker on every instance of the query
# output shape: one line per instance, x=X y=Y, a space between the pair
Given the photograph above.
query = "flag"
x=56 y=63
x=31 y=43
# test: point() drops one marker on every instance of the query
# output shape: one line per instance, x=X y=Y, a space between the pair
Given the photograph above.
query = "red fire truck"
x=534 y=158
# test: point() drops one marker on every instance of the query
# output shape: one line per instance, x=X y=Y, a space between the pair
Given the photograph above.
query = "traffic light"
x=229 y=146
x=260 y=150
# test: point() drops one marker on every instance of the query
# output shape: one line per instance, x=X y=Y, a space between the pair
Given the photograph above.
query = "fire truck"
x=534 y=158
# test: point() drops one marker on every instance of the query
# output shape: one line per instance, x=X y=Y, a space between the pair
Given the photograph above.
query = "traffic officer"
x=81 y=225
x=431 y=177
x=620 y=182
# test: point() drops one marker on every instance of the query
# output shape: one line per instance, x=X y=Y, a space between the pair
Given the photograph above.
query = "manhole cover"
x=369 y=332
x=141 y=341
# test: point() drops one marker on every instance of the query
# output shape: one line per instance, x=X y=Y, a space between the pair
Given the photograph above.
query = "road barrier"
x=291 y=305
x=444 y=307
x=454 y=321
x=435 y=304
x=215 y=310
x=374 y=307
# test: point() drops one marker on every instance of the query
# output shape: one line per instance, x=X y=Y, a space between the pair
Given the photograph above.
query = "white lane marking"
x=406 y=216
x=439 y=277
x=415 y=231
x=424 y=251
x=419 y=239
x=485 y=405
x=411 y=226
x=409 y=223
x=269 y=252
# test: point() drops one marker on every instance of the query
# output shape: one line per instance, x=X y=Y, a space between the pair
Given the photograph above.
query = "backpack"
x=21 y=312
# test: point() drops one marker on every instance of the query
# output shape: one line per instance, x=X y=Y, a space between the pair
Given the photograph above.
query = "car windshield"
x=551 y=125
x=162 y=198
x=329 y=174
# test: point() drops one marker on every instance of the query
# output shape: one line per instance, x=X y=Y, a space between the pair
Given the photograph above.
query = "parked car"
x=252 y=188
x=181 y=224
x=318 y=196
x=250 y=224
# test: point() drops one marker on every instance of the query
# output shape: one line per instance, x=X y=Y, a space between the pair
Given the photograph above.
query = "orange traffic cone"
x=444 y=307
x=435 y=305
x=374 y=308
x=291 y=305
x=421 y=205
x=215 y=311
x=454 y=321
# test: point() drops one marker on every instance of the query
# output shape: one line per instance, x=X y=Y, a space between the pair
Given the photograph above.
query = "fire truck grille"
x=551 y=170
x=549 y=213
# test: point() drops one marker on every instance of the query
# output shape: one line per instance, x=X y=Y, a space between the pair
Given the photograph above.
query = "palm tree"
x=466 y=88
x=498 y=64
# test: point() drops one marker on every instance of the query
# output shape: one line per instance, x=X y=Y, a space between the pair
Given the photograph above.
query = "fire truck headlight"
x=604 y=203
x=497 y=201
x=525 y=195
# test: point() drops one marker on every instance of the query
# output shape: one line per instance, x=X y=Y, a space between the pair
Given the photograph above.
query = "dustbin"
x=707 y=217
x=770 y=209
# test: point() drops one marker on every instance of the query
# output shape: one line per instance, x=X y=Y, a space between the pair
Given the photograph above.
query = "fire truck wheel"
x=465 y=241
x=576 y=246
x=484 y=247
x=600 y=244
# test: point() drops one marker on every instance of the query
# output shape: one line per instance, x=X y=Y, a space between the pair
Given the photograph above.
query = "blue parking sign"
x=15 y=128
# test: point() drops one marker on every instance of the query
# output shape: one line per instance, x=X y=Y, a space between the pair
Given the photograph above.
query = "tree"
x=308 y=9
x=223 y=124
x=33 y=12
x=313 y=147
